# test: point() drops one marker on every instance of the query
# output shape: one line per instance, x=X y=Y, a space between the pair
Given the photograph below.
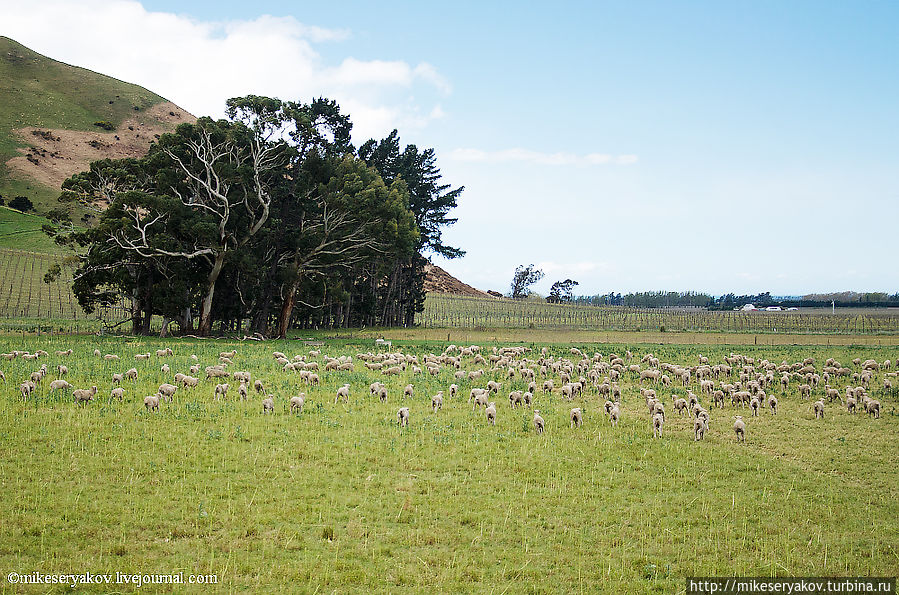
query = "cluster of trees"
x=270 y=216
x=648 y=299
x=847 y=297
x=19 y=203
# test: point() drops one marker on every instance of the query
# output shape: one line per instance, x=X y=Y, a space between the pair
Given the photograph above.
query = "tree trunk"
x=206 y=311
x=290 y=300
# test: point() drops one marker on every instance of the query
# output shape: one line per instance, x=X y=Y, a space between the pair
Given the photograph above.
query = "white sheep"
x=740 y=428
x=164 y=352
x=657 y=421
x=258 y=386
x=539 y=424
x=59 y=384
x=453 y=389
x=26 y=388
x=296 y=403
x=221 y=389
x=819 y=409
x=111 y=357
x=700 y=427
x=754 y=406
x=851 y=404
x=576 y=417
x=152 y=402
x=141 y=356
x=409 y=391
x=490 y=411
x=343 y=391
x=117 y=393
x=242 y=392
x=614 y=415
x=437 y=401
x=83 y=395
x=165 y=369
x=402 y=416
x=131 y=374
x=772 y=403
x=61 y=370
x=515 y=398
x=167 y=391
x=268 y=404
x=117 y=378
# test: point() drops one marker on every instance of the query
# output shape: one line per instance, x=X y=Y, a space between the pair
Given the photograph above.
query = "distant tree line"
x=270 y=215
x=647 y=299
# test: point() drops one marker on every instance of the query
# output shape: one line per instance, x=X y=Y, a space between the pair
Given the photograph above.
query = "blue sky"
x=630 y=146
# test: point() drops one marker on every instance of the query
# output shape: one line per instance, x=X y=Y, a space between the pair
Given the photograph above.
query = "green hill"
x=36 y=91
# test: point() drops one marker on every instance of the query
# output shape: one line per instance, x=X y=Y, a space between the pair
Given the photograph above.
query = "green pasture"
x=339 y=498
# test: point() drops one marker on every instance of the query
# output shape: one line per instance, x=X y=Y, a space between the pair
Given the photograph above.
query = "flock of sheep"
x=738 y=381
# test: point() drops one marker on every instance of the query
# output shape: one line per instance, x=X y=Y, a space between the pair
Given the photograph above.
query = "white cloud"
x=200 y=64
x=518 y=155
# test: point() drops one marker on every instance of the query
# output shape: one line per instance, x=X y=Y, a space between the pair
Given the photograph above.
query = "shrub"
x=104 y=124
x=21 y=203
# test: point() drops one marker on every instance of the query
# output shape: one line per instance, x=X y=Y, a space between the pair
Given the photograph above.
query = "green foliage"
x=21 y=203
x=524 y=277
x=104 y=124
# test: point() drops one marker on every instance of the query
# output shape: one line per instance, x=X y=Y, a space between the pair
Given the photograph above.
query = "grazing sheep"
x=402 y=416
x=163 y=352
x=83 y=395
x=453 y=389
x=26 y=388
x=382 y=394
x=131 y=374
x=409 y=391
x=754 y=405
x=258 y=386
x=165 y=369
x=117 y=393
x=343 y=391
x=69 y=352
x=680 y=405
x=480 y=399
x=142 y=356
x=657 y=421
x=59 y=384
x=36 y=377
x=97 y=353
x=772 y=403
x=117 y=378
x=819 y=409
x=268 y=404
x=242 y=391
x=167 y=391
x=111 y=357
x=221 y=389
x=152 y=402
x=576 y=417
x=314 y=380
x=614 y=415
x=539 y=424
x=700 y=427
x=493 y=386
x=547 y=386
x=60 y=369
x=490 y=411
x=296 y=403
x=740 y=428
x=437 y=401
x=515 y=398
x=872 y=407
x=190 y=381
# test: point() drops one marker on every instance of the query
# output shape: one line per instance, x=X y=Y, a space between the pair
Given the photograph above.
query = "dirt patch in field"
x=52 y=156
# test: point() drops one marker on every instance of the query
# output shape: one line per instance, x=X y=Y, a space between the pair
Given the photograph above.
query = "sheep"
x=131 y=374
x=258 y=386
x=494 y=386
x=490 y=411
x=36 y=377
x=754 y=406
x=195 y=370
x=26 y=388
x=402 y=416
x=97 y=353
x=60 y=369
x=547 y=386
x=374 y=387
x=190 y=381
x=515 y=398
x=614 y=416
x=659 y=409
x=242 y=391
x=117 y=378
x=657 y=421
x=228 y=354
x=83 y=395
x=167 y=391
x=437 y=401
x=221 y=389
x=296 y=403
x=850 y=404
x=69 y=352
x=141 y=356
x=164 y=352
x=805 y=391
x=152 y=402
x=409 y=391
x=480 y=399
x=819 y=409
x=576 y=417
x=700 y=427
x=680 y=405
x=314 y=380
x=772 y=403
x=111 y=357
x=539 y=424
x=343 y=391
x=740 y=428
x=453 y=389
x=268 y=404
x=242 y=376
x=59 y=384
x=117 y=393
x=872 y=407
x=382 y=394
x=165 y=369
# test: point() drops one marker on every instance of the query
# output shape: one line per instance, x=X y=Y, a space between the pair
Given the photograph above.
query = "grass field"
x=339 y=498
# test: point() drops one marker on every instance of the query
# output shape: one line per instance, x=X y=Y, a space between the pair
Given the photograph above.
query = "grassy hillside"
x=22 y=231
x=39 y=91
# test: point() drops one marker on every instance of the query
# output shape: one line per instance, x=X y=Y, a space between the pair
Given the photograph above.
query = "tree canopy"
x=267 y=215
